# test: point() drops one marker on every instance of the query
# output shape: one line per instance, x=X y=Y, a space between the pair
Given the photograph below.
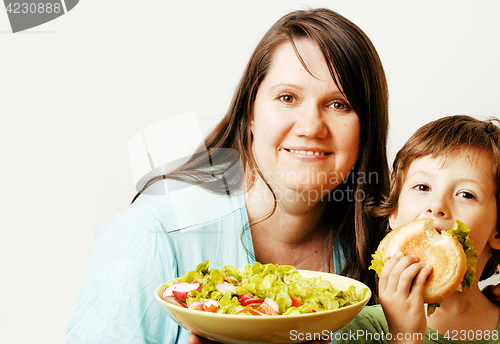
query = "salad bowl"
x=294 y=328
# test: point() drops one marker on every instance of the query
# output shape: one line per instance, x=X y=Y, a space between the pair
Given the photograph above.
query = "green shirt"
x=370 y=326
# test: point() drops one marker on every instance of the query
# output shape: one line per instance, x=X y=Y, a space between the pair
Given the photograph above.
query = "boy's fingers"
x=418 y=284
x=386 y=271
x=492 y=293
x=393 y=280
x=407 y=276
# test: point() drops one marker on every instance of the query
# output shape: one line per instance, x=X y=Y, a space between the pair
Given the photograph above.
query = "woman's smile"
x=307 y=153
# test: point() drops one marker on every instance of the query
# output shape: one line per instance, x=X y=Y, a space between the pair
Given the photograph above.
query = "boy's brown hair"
x=440 y=138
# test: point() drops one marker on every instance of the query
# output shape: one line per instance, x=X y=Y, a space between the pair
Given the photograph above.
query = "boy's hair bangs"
x=444 y=136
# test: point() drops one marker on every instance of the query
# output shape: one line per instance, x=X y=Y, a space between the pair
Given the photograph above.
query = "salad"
x=260 y=289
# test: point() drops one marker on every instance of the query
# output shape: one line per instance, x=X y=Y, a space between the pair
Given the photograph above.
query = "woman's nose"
x=311 y=123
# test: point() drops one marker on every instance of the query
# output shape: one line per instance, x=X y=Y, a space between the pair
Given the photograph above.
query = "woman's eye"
x=286 y=98
x=466 y=195
x=341 y=106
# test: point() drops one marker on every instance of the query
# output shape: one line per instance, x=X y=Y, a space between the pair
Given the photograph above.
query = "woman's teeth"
x=303 y=152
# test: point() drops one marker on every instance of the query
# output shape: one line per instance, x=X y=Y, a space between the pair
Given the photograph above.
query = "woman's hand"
x=492 y=292
x=194 y=339
x=401 y=296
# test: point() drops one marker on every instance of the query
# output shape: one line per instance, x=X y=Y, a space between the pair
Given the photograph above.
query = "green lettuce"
x=431 y=308
x=377 y=262
x=461 y=233
x=263 y=281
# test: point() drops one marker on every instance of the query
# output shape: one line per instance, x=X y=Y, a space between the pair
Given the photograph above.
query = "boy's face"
x=458 y=188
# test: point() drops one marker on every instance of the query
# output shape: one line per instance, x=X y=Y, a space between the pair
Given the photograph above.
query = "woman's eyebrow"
x=286 y=85
x=334 y=92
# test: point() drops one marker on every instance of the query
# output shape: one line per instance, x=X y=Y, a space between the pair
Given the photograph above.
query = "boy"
x=448 y=170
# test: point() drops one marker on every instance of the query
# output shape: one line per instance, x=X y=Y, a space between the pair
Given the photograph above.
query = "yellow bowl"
x=239 y=329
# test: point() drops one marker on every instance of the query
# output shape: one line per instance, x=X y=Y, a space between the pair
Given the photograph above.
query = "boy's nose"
x=438 y=208
x=439 y=213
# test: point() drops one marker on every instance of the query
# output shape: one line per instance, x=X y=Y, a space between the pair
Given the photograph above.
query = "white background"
x=75 y=90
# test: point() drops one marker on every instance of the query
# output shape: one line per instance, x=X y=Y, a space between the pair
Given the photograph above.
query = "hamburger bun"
x=443 y=252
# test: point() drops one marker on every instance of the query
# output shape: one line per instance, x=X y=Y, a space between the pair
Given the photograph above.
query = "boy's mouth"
x=438 y=229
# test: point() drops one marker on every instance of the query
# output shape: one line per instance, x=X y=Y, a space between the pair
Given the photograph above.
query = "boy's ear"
x=393 y=219
x=494 y=240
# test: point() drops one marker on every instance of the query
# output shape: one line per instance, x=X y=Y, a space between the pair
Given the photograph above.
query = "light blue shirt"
x=168 y=230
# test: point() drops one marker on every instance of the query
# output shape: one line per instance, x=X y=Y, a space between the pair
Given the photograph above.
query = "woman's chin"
x=303 y=192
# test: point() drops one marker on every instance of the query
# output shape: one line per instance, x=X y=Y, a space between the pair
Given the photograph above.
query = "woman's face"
x=305 y=134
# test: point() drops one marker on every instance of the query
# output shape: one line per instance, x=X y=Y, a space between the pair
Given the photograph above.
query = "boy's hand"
x=492 y=292
x=401 y=286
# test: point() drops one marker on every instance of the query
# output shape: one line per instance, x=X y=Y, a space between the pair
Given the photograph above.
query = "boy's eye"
x=421 y=187
x=466 y=195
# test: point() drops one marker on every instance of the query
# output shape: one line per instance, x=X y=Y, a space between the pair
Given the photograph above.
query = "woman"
x=309 y=120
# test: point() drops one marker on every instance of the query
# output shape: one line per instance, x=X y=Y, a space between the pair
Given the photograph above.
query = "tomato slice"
x=211 y=308
x=266 y=309
x=248 y=311
x=295 y=301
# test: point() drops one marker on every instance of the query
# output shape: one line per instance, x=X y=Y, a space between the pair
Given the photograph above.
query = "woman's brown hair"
x=357 y=70
x=440 y=138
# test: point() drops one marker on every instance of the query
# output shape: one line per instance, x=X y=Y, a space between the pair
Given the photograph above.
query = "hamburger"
x=450 y=253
